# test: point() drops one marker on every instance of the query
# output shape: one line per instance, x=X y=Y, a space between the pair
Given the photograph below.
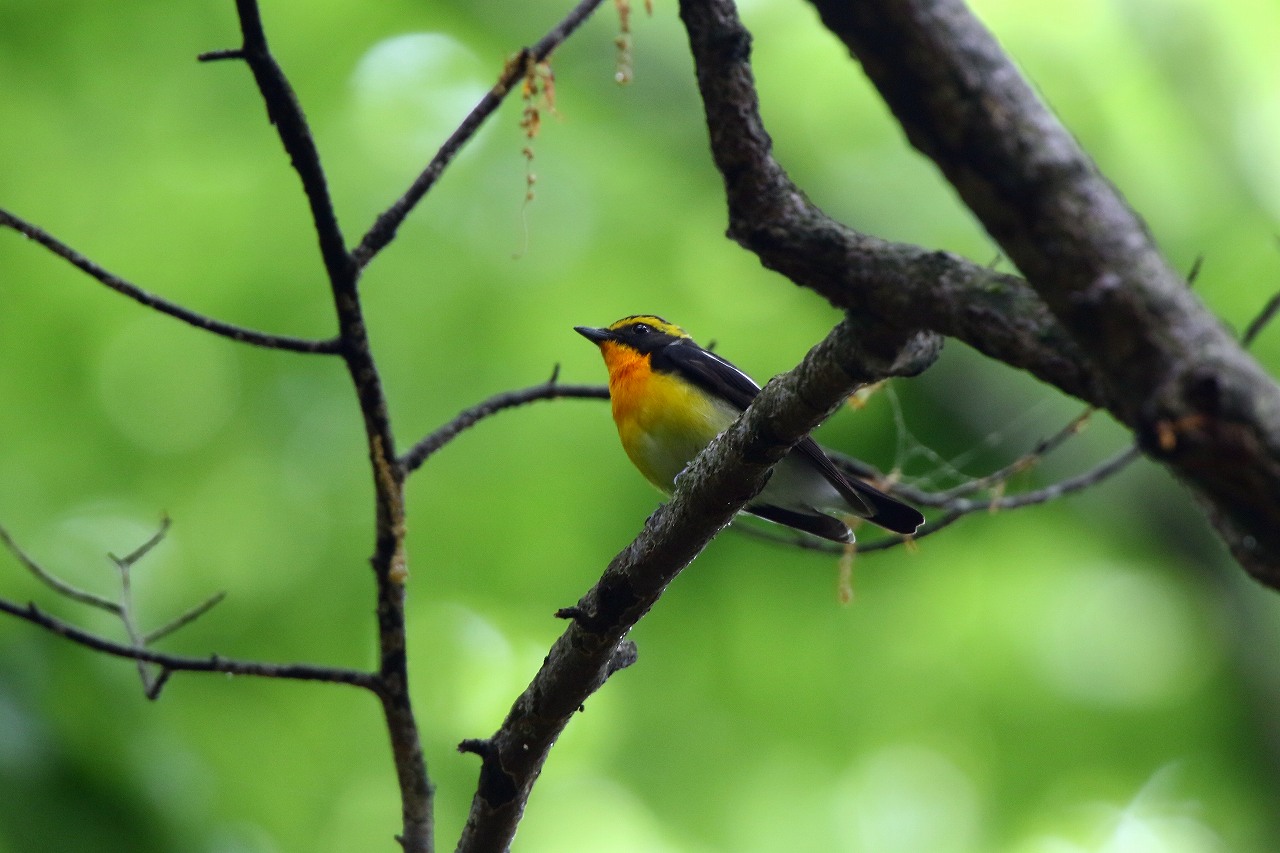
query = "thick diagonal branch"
x=1162 y=364
x=716 y=485
x=891 y=283
x=1194 y=398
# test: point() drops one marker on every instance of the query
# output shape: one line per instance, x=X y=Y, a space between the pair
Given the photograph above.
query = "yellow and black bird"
x=671 y=397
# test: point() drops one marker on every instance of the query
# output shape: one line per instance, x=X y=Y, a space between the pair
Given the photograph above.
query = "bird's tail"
x=886 y=512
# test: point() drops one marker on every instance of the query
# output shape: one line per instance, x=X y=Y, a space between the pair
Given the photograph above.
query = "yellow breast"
x=663 y=420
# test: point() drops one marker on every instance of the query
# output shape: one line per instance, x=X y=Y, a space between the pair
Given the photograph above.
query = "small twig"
x=164 y=306
x=123 y=609
x=218 y=55
x=185 y=619
x=1260 y=322
x=956 y=508
x=549 y=390
x=126 y=607
x=1017 y=466
x=213 y=663
x=944 y=498
x=145 y=548
x=150 y=684
x=61 y=587
x=1194 y=273
x=476 y=746
x=383 y=230
x=153 y=692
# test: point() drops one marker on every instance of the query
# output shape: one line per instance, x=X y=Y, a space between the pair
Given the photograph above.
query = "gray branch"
x=715 y=486
x=1103 y=316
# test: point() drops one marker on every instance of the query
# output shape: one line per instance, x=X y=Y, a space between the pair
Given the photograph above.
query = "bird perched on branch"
x=671 y=397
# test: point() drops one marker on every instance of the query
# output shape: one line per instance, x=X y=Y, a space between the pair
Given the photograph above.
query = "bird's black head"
x=644 y=333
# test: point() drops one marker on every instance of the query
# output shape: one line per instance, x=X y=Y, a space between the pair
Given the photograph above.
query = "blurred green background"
x=1093 y=675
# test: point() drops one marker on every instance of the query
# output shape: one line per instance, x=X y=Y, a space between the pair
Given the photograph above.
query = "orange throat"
x=629 y=372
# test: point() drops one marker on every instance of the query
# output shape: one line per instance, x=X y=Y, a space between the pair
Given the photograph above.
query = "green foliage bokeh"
x=1093 y=675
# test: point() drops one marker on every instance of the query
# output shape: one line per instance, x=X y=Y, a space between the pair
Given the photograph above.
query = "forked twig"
x=122 y=609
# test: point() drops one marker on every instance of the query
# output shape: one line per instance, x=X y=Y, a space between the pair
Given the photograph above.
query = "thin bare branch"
x=123 y=609
x=945 y=498
x=151 y=684
x=176 y=663
x=220 y=55
x=284 y=111
x=955 y=508
x=145 y=548
x=716 y=485
x=549 y=390
x=60 y=586
x=1169 y=369
x=1017 y=466
x=1265 y=316
x=127 y=616
x=164 y=306
x=1194 y=273
x=153 y=692
x=383 y=230
x=388 y=560
x=185 y=619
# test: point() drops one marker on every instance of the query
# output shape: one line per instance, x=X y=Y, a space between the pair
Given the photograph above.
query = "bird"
x=671 y=397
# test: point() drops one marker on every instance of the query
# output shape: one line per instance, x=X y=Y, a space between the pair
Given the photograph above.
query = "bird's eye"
x=641 y=329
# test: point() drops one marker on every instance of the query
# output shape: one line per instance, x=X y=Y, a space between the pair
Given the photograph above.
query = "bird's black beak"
x=596 y=336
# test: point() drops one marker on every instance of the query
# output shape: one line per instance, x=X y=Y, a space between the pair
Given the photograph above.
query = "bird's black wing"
x=708 y=371
x=717 y=376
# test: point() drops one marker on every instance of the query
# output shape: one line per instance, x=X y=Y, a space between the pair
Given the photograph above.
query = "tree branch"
x=164 y=306
x=715 y=486
x=284 y=111
x=467 y=418
x=388 y=560
x=1193 y=397
x=122 y=609
x=383 y=230
x=1115 y=327
x=895 y=283
x=55 y=583
x=956 y=508
x=175 y=663
x=183 y=619
x=955 y=503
